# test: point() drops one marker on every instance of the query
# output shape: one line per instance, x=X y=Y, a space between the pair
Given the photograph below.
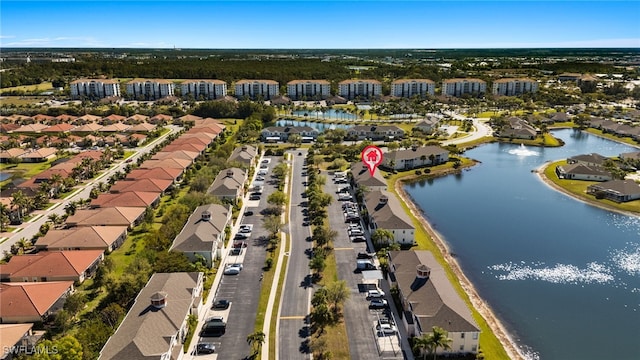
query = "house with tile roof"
x=245 y=154
x=157 y=173
x=59 y=128
x=229 y=184
x=156 y=325
x=52 y=266
x=204 y=232
x=384 y=211
x=415 y=157
x=104 y=238
x=16 y=339
x=150 y=185
x=107 y=216
x=616 y=190
x=127 y=199
x=177 y=154
x=428 y=299
x=184 y=146
x=30 y=302
x=579 y=171
x=39 y=155
x=31 y=128
x=362 y=178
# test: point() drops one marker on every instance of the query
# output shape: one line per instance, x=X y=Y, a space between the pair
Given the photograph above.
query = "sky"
x=319 y=24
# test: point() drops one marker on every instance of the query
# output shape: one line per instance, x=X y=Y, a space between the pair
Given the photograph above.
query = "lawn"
x=24 y=170
x=44 y=86
x=489 y=343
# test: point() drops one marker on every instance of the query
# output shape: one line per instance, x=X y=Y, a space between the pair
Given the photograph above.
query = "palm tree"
x=18 y=200
x=381 y=237
x=4 y=217
x=255 y=340
x=421 y=345
x=437 y=338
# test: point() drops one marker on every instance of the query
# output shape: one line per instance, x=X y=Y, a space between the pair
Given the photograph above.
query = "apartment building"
x=204 y=89
x=412 y=87
x=459 y=87
x=350 y=89
x=147 y=89
x=254 y=89
x=94 y=88
x=308 y=89
x=514 y=86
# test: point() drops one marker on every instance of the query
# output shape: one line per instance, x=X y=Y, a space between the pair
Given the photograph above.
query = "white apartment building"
x=350 y=89
x=94 y=88
x=411 y=87
x=204 y=89
x=514 y=86
x=148 y=89
x=256 y=88
x=308 y=89
x=458 y=87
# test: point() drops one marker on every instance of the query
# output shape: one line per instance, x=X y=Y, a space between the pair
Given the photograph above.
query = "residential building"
x=127 y=199
x=413 y=87
x=616 y=190
x=593 y=159
x=107 y=216
x=308 y=89
x=150 y=185
x=282 y=133
x=362 y=178
x=244 y=154
x=52 y=266
x=94 y=88
x=364 y=88
x=459 y=87
x=579 y=171
x=30 y=302
x=569 y=77
x=385 y=212
x=375 y=133
x=148 y=89
x=415 y=157
x=256 y=89
x=517 y=128
x=514 y=86
x=174 y=175
x=429 y=299
x=429 y=125
x=16 y=339
x=204 y=89
x=229 y=184
x=105 y=238
x=156 y=325
x=204 y=232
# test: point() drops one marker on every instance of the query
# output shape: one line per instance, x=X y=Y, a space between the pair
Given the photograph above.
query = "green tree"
x=272 y=224
x=317 y=264
x=437 y=338
x=65 y=348
x=382 y=237
x=255 y=341
x=295 y=139
x=337 y=293
x=111 y=315
x=277 y=198
x=171 y=261
x=75 y=303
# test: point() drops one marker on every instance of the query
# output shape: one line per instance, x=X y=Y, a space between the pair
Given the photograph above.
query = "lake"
x=563 y=276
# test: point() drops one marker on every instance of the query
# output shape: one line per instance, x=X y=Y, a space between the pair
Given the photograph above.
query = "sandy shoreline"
x=487 y=313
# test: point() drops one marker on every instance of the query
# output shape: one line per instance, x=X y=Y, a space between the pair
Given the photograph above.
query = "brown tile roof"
x=50 y=264
x=294 y=82
x=126 y=199
x=31 y=128
x=161 y=117
x=91 y=127
x=90 y=118
x=116 y=127
x=251 y=81
x=184 y=147
x=66 y=117
x=114 y=117
x=448 y=81
x=63 y=127
x=43 y=118
x=195 y=139
x=83 y=238
x=32 y=299
x=189 y=117
x=166 y=163
x=138 y=117
x=156 y=173
x=150 y=185
x=107 y=216
x=11 y=334
x=143 y=127
x=177 y=154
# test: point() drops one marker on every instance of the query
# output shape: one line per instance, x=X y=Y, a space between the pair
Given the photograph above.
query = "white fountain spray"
x=523 y=151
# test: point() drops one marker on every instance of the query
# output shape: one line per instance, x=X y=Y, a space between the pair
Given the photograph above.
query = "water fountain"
x=523 y=151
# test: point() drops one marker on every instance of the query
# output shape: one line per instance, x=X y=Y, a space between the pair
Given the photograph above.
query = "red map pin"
x=371 y=157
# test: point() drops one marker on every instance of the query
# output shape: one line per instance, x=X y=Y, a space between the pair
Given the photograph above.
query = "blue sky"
x=319 y=24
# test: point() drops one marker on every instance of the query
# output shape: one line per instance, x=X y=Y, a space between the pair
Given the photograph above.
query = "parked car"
x=375 y=294
x=205 y=348
x=242 y=236
x=232 y=269
x=246 y=228
x=387 y=329
x=378 y=304
x=254 y=197
x=357 y=238
x=221 y=304
x=248 y=213
x=364 y=255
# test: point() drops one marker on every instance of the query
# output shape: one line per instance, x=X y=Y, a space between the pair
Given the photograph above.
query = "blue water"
x=4 y=176
x=563 y=276
x=330 y=114
x=316 y=125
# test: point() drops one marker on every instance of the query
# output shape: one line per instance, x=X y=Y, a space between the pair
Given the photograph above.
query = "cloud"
x=7 y=36
x=59 y=41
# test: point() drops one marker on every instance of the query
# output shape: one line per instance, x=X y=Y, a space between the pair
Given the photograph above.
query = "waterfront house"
x=385 y=212
x=616 y=190
x=593 y=159
x=375 y=133
x=415 y=157
x=363 y=179
x=579 y=171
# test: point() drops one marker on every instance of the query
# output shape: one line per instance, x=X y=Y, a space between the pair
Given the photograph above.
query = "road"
x=292 y=330
x=30 y=228
x=481 y=129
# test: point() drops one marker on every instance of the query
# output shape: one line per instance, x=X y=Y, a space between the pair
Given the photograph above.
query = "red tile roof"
x=127 y=199
x=149 y=185
x=21 y=300
x=156 y=173
x=50 y=264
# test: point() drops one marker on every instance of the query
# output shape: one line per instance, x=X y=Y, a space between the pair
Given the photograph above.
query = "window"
x=461 y=347
x=474 y=348
x=461 y=335
x=475 y=336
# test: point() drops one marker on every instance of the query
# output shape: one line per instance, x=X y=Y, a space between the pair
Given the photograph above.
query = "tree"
x=337 y=293
x=4 y=217
x=75 y=302
x=277 y=198
x=381 y=237
x=171 y=261
x=437 y=338
x=255 y=341
x=272 y=224
x=421 y=345
x=295 y=139
x=317 y=264
x=111 y=315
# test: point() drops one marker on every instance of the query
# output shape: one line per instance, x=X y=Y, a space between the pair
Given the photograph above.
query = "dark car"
x=364 y=255
x=254 y=197
x=248 y=213
x=205 y=348
x=221 y=304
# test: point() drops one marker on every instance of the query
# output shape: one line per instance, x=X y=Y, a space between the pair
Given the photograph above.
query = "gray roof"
x=386 y=210
x=362 y=177
x=415 y=153
x=593 y=158
x=199 y=233
x=434 y=300
x=631 y=155
x=244 y=154
x=583 y=169
x=378 y=129
x=621 y=187
x=227 y=182
x=145 y=333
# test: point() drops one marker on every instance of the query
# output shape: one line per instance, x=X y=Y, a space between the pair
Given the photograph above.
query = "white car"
x=232 y=269
x=246 y=228
x=375 y=294
x=386 y=330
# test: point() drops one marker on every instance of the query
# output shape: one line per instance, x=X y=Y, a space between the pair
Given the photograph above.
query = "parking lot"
x=242 y=289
